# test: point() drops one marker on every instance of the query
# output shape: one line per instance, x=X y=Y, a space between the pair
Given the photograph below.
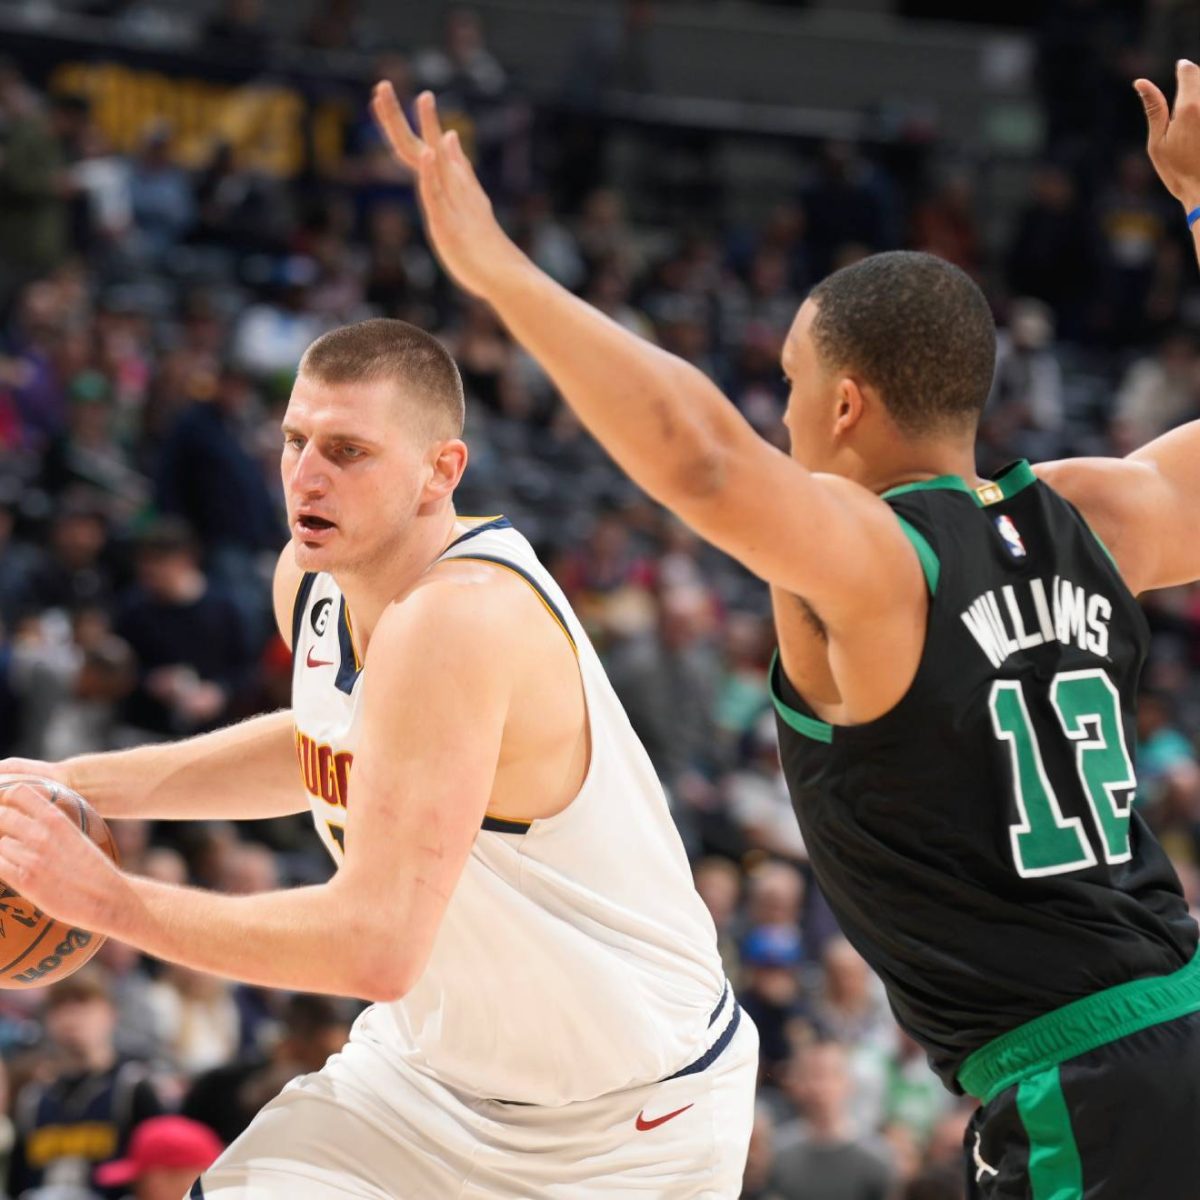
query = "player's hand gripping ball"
x=35 y=949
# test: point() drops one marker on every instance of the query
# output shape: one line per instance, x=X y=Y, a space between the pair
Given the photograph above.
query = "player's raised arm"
x=243 y=772
x=1146 y=507
x=662 y=420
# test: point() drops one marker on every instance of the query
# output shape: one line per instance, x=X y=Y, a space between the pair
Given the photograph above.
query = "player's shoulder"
x=285 y=590
x=1096 y=478
x=1106 y=491
x=1116 y=497
x=474 y=605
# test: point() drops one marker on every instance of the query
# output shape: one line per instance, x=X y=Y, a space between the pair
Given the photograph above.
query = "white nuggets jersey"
x=575 y=957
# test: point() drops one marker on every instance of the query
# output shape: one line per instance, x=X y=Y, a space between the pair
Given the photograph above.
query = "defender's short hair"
x=383 y=348
x=917 y=329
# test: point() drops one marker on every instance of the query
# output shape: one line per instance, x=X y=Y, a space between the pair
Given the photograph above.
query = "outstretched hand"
x=1173 y=141
x=459 y=221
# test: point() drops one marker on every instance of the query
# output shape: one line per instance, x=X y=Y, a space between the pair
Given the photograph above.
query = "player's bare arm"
x=830 y=541
x=1146 y=507
x=241 y=773
x=420 y=785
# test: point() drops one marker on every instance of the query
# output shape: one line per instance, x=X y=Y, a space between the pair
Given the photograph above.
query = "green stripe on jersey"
x=1015 y=479
x=1055 y=1172
x=930 y=563
x=810 y=727
x=953 y=483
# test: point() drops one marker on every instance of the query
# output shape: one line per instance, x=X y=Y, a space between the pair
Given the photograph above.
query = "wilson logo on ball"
x=76 y=939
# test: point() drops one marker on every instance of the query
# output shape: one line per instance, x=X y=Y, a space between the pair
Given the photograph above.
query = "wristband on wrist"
x=1193 y=216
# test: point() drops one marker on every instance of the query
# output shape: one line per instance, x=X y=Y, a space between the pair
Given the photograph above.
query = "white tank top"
x=575 y=957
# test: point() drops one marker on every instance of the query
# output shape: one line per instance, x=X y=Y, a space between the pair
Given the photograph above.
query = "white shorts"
x=368 y=1126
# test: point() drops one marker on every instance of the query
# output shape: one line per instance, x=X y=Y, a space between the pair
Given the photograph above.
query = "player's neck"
x=370 y=591
x=920 y=462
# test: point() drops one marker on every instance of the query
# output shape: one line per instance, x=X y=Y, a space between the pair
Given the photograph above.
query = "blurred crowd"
x=151 y=317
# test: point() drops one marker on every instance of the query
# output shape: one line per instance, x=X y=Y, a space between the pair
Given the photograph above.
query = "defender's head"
x=372 y=441
x=898 y=348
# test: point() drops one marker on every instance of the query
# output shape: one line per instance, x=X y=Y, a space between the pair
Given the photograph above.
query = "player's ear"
x=849 y=406
x=446 y=463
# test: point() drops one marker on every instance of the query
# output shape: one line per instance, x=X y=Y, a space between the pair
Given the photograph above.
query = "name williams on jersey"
x=1020 y=616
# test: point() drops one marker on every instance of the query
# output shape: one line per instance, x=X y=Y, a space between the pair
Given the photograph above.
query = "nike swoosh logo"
x=317 y=662
x=643 y=1124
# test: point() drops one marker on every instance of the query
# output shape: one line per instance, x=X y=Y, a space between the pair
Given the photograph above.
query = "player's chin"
x=313 y=554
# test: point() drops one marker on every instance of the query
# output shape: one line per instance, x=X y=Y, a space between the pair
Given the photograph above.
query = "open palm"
x=459 y=220
x=1173 y=139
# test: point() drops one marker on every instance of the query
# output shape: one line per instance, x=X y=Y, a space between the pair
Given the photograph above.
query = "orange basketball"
x=35 y=949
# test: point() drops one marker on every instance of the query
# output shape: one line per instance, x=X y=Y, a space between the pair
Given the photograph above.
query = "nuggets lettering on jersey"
x=575 y=957
x=325 y=771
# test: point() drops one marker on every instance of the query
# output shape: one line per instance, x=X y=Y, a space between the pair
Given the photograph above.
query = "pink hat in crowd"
x=162 y=1142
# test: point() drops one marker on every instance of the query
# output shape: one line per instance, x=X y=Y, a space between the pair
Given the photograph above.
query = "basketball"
x=35 y=949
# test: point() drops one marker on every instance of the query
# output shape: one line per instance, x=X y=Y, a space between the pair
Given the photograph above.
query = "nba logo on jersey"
x=1012 y=539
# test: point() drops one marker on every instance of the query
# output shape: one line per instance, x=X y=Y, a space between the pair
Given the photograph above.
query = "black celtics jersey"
x=978 y=842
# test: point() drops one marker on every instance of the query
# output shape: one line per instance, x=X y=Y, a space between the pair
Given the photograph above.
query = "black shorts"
x=1120 y=1122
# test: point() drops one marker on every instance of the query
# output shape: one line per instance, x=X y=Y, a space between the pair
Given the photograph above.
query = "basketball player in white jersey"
x=551 y=1016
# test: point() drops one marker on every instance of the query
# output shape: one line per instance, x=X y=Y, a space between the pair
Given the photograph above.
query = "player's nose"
x=309 y=476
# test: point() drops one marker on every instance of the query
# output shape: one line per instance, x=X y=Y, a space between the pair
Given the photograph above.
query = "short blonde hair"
x=383 y=348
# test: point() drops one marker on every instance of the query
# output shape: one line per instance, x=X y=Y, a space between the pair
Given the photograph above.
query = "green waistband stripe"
x=1079 y=1027
x=1055 y=1172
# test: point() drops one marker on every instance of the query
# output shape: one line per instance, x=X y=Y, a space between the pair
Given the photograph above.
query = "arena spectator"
x=227 y=1097
x=166 y=1154
x=33 y=210
x=1024 y=413
x=946 y=224
x=825 y=1160
x=83 y=1111
x=771 y=992
x=239 y=524
x=76 y=571
x=70 y=684
x=193 y=646
x=88 y=453
x=164 y=208
x=759 y=804
x=667 y=682
x=197 y=1018
x=1158 y=392
x=719 y=882
x=1052 y=256
x=760 y=1161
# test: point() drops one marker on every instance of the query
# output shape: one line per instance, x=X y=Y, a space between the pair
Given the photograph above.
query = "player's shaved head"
x=382 y=349
x=915 y=328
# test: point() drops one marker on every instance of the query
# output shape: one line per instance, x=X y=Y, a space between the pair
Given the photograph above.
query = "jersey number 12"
x=1044 y=841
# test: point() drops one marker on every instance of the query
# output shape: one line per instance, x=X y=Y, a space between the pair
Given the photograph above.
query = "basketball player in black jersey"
x=958 y=662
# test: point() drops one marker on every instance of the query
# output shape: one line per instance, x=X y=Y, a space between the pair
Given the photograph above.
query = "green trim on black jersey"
x=1078 y=1027
x=1014 y=479
x=930 y=563
x=810 y=727
x=1055 y=1170
x=1007 y=484
x=953 y=483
